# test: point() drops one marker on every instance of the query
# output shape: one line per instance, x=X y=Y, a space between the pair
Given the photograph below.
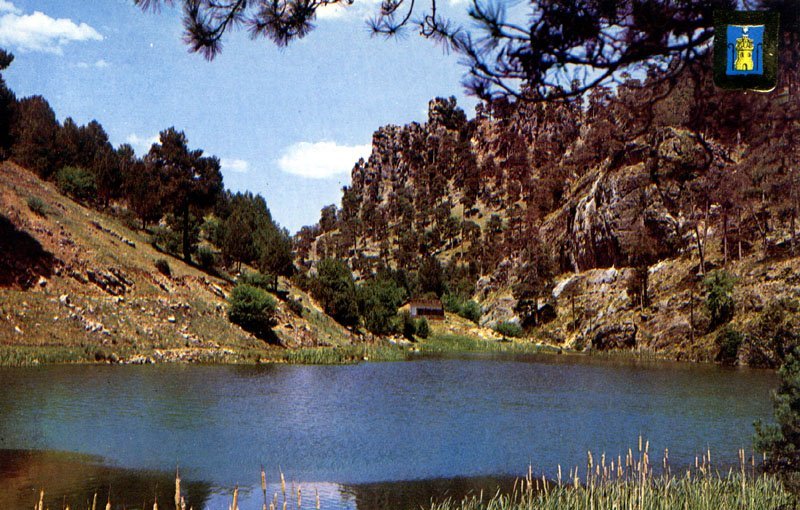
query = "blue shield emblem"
x=746 y=49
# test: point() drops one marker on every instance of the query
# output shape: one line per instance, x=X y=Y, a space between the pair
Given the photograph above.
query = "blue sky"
x=287 y=123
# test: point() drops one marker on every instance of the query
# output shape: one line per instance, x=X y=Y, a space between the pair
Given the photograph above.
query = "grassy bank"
x=29 y=355
x=435 y=345
x=438 y=344
x=711 y=492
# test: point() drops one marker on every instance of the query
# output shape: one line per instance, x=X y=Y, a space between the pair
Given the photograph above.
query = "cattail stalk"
x=177 y=489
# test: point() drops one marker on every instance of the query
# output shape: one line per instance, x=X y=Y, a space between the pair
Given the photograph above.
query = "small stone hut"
x=428 y=308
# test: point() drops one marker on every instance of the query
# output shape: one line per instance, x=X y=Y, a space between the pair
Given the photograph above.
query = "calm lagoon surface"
x=362 y=436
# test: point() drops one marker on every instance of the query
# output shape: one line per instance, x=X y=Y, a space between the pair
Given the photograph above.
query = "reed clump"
x=632 y=484
x=343 y=355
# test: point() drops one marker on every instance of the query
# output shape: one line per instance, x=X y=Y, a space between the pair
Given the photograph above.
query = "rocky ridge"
x=609 y=197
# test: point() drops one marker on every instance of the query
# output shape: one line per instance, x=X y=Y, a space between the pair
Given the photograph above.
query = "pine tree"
x=7 y=101
x=335 y=290
x=33 y=130
x=781 y=441
x=189 y=179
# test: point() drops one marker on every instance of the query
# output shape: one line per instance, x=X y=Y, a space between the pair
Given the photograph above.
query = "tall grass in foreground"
x=712 y=492
x=632 y=485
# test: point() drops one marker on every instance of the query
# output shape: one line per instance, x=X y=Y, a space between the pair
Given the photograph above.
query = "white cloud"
x=322 y=159
x=6 y=6
x=40 y=32
x=100 y=64
x=239 y=166
x=142 y=144
x=359 y=10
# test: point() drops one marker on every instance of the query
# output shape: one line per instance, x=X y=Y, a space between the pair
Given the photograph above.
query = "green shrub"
x=129 y=219
x=212 y=230
x=302 y=281
x=773 y=335
x=728 y=342
x=409 y=327
x=166 y=239
x=163 y=267
x=251 y=308
x=471 y=311
x=267 y=282
x=507 y=328
x=781 y=441
x=295 y=305
x=76 y=182
x=423 y=328
x=378 y=301
x=206 y=257
x=719 y=297
x=335 y=290
x=462 y=307
x=36 y=205
x=452 y=302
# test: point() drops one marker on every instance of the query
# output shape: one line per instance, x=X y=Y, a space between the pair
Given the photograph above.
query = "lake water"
x=360 y=435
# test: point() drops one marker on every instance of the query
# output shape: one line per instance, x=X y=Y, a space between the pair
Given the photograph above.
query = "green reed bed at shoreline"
x=712 y=492
x=628 y=483
x=437 y=345
x=380 y=350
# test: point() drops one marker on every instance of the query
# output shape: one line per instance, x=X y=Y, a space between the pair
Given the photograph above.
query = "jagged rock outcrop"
x=632 y=198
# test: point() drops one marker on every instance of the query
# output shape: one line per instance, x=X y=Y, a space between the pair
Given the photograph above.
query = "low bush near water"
x=251 y=308
x=423 y=328
x=728 y=341
x=510 y=329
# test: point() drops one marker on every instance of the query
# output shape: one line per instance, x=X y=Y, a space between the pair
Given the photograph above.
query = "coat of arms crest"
x=746 y=49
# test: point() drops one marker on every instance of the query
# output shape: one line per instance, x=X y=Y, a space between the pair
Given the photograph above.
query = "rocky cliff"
x=612 y=210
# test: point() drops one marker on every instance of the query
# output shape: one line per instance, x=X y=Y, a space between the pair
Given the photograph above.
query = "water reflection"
x=416 y=494
x=73 y=479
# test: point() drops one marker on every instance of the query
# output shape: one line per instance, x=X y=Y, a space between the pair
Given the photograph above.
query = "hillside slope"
x=76 y=284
